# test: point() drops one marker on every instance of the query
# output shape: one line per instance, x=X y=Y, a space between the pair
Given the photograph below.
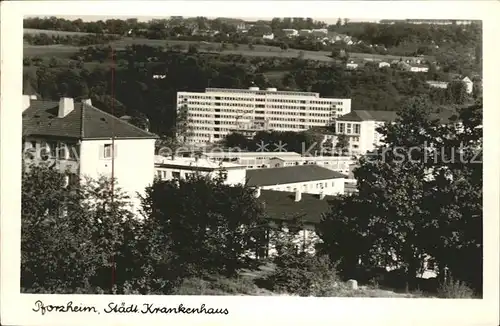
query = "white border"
x=16 y=307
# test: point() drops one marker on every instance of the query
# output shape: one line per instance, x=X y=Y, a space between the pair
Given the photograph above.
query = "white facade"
x=437 y=84
x=290 y=32
x=419 y=69
x=133 y=166
x=251 y=160
x=169 y=169
x=335 y=163
x=383 y=64
x=217 y=112
x=268 y=36
x=327 y=187
x=468 y=84
x=362 y=135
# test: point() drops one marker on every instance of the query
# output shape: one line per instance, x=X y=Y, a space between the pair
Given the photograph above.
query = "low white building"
x=268 y=36
x=437 y=84
x=335 y=163
x=81 y=140
x=309 y=179
x=418 y=68
x=383 y=64
x=251 y=160
x=182 y=167
x=290 y=32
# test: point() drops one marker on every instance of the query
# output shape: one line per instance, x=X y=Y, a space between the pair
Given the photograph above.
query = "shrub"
x=301 y=273
x=452 y=289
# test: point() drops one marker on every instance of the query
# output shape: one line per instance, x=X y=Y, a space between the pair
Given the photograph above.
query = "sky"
x=146 y=18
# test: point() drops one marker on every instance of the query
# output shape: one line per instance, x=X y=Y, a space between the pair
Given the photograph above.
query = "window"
x=341 y=128
x=176 y=175
x=357 y=128
x=349 y=130
x=107 y=151
x=159 y=174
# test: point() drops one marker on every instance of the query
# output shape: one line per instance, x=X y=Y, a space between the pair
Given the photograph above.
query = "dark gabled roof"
x=290 y=174
x=364 y=115
x=84 y=122
x=281 y=205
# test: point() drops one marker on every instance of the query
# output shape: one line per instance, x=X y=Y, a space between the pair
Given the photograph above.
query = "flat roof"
x=191 y=162
x=251 y=154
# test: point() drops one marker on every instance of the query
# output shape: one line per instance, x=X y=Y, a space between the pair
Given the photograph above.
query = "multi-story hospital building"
x=211 y=115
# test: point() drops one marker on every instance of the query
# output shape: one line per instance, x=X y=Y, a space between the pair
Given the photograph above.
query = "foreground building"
x=182 y=167
x=210 y=116
x=83 y=141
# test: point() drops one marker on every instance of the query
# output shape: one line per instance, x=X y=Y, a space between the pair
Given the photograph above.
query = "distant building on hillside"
x=289 y=32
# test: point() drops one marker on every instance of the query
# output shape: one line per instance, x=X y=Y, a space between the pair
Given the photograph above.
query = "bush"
x=217 y=285
x=300 y=273
x=452 y=289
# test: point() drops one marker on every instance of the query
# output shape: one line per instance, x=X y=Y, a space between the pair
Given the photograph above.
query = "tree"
x=209 y=226
x=251 y=46
x=236 y=140
x=399 y=185
x=339 y=23
x=73 y=232
x=342 y=144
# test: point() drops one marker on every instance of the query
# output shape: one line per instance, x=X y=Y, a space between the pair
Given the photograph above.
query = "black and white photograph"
x=190 y=155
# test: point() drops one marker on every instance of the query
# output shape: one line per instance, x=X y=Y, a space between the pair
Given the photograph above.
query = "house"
x=437 y=84
x=383 y=64
x=418 y=68
x=81 y=140
x=360 y=126
x=268 y=36
x=170 y=168
x=286 y=208
x=320 y=32
x=351 y=65
x=310 y=179
x=289 y=32
x=468 y=84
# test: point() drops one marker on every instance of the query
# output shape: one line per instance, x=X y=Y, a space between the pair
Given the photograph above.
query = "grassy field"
x=51 y=32
x=242 y=49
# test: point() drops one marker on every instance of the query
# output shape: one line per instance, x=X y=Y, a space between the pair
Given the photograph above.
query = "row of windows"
x=210 y=106
x=349 y=128
x=249 y=114
x=257 y=99
x=306 y=186
x=51 y=149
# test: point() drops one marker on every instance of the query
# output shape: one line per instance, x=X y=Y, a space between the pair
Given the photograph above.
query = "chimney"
x=321 y=195
x=26 y=102
x=66 y=105
x=87 y=101
x=257 y=192
x=298 y=195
